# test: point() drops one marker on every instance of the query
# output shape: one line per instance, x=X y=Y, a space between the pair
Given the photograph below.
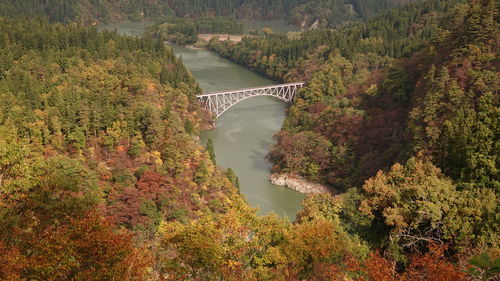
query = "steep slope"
x=435 y=111
x=97 y=133
x=394 y=112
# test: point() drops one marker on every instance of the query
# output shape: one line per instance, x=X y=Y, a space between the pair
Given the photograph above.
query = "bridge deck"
x=251 y=89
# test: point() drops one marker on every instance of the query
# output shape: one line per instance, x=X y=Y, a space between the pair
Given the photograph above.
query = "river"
x=244 y=133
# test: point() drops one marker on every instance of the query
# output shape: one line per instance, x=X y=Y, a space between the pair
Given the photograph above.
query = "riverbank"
x=299 y=184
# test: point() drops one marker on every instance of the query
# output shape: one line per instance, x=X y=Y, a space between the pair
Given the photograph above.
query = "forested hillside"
x=97 y=148
x=88 y=11
x=397 y=33
x=102 y=179
x=392 y=109
x=305 y=13
x=102 y=176
x=299 y=12
x=436 y=109
x=417 y=85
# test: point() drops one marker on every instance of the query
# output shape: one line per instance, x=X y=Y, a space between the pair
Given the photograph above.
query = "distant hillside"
x=88 y=11
x=329 y=13
x=300 y=12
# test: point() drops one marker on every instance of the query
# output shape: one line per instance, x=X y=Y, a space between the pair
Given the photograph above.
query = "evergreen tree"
x=201 y=175
x=211 y=151
x=164 y=76
x=188 y=127
x=232 y=177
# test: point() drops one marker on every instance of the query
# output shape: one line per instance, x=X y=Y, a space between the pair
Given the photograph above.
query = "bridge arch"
x=220 y=102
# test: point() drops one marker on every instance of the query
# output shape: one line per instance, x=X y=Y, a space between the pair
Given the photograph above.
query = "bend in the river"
x=245 y=132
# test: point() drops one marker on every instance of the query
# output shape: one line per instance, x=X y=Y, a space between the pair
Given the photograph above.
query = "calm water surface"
x=244 y=133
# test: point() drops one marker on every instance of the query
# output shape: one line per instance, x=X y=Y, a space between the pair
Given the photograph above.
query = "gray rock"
x=298 y=184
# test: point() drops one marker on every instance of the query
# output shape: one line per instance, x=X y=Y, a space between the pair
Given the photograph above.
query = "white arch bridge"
x=219 y=102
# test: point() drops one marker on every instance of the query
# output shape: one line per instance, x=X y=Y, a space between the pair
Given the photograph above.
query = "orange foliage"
x=83 y=249
x=11 y=263
x=433 y=266
x=380 y=269
x=121 y=149
x=324 y=272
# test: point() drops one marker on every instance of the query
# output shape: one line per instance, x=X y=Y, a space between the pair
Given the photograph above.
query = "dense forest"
x=102 y=176
x=96 y=143
x=318 y=13
x=312 y=13
x=407 y=95
x=395 y=34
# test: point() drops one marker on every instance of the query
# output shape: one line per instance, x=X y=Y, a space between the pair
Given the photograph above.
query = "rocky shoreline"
x=298 y=184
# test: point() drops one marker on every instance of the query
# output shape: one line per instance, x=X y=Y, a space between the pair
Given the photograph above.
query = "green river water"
x=244 y=133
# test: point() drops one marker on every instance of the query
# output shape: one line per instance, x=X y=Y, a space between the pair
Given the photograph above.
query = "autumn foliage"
x=102 y=176
x=83 y=249
x=429 y=266
x=12 y=262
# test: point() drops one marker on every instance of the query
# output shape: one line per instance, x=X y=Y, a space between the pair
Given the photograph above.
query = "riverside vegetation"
x=101 y=177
